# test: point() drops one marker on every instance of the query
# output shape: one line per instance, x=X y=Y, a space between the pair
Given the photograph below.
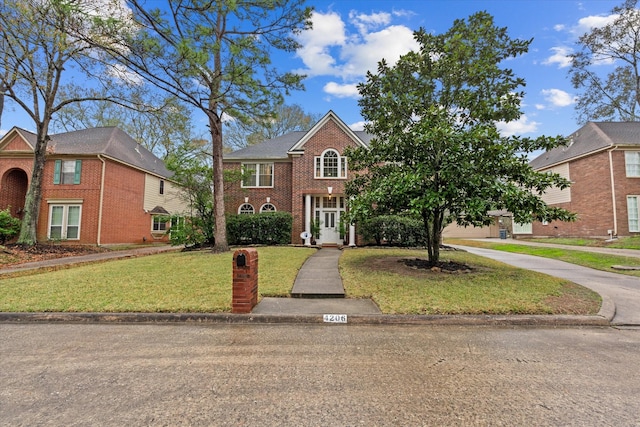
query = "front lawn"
x=169 y=282
x=493 y=288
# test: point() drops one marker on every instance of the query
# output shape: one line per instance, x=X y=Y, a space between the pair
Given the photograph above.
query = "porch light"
x=246 y=200
x=268 y=199
x=329 y=190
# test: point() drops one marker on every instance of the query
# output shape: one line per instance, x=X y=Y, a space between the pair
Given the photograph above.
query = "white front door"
x=330 y=232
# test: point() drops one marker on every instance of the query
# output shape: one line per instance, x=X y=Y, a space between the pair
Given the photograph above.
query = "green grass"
x=201 y=282
x=495 y=288
x=621 y=243
x=170 y=282
x=593 y=260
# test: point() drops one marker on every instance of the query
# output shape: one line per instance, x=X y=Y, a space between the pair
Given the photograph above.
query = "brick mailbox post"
x=245 y=280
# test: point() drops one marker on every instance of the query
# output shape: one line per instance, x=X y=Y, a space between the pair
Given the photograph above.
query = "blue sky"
x=350 y=36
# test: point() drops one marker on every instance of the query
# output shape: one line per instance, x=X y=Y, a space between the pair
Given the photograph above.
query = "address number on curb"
x=335 y=318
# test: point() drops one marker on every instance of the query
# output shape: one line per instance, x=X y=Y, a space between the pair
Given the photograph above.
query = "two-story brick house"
x=602 y=161
x=99 y=187
x=303 y=173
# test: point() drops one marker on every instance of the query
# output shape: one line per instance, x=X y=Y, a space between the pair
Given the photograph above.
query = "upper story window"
x=161 y=186
x=257 y=175
x=67 y=171
x=331 y=165
x=632 y=163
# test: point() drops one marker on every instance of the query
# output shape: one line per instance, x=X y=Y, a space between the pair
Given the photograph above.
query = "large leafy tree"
x=216 y=57
x=607 y=68
x=437 y=154
x=286 y=118
x=39 y=63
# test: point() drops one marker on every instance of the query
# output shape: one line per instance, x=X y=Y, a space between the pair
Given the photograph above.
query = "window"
x=67 y=171
x=64 y=222
x=159 y=223
x=161 y=186
x=246 y=209
x=267 y=207
x=632 y=163
x=257 y=175
x=632 y=213
x=331 y=165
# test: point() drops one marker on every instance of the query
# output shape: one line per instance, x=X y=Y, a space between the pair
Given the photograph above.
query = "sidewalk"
x=56 y=263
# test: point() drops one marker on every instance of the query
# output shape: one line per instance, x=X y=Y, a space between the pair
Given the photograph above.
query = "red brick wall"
x=88 y=190
x=14 y=184
x=592 y=200
x=123 y=217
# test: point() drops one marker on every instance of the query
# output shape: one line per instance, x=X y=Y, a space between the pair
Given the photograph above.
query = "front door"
x=330 y=232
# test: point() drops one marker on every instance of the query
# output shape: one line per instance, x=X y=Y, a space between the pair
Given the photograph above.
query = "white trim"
x=65 y=220
x=329 y=116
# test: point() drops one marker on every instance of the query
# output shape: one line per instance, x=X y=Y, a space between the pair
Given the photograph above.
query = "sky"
x=349 y=37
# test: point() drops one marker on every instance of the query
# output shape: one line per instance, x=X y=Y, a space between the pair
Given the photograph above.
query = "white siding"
x=522 y=228
x=171 y=200
x=554 y=195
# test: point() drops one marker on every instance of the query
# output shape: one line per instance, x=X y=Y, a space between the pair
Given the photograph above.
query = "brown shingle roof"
x=589 y=139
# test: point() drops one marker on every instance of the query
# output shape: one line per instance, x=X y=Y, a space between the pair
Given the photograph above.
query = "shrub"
x=187 y=231
x=272 y=228
x=9 y=226
x=394 y=230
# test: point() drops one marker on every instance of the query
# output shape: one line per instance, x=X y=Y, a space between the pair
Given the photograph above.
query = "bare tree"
x=616 y=95
x=285 y=119
x=40 y=59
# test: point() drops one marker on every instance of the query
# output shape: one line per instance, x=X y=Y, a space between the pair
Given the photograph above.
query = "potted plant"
x=314 y=230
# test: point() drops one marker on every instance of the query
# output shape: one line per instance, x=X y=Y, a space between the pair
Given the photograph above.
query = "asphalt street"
x=316 y=375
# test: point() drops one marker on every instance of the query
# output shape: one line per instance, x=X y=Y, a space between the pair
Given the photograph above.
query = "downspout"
x=613 y=193
x=104 y=165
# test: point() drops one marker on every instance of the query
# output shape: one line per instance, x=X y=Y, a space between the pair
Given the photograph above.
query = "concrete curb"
x=355 y=319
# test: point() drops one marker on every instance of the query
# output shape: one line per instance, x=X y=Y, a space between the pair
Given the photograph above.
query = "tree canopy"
x=612 y=95
x=437 y=154
x=214 y=56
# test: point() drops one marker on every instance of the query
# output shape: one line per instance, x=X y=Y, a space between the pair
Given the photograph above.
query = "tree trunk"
x=28 y=231
x=220 y=232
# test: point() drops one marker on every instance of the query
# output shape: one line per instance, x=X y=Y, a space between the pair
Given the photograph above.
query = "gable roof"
x=590 y=139
x=110 y=142
x=293 y=142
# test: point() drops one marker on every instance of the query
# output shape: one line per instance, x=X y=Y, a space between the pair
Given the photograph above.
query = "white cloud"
x=341 y=90
x=521 y=126
x=560 y=56
x=120 y=72
x=558 y=98
x=364 y=23
x=329 y=49
x=357 y=125
x=588 y=23
x=3 y=132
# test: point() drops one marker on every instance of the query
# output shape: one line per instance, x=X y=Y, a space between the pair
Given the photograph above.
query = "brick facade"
x=294 y=177
x=592 y=198
x=112 y=206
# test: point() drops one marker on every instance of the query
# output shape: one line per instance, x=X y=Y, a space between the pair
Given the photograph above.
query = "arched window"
x=267 y=207
x=331 y=165
x=246 y=209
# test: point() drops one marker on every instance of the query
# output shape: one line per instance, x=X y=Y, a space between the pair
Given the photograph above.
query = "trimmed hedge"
x=271 y=228
x=393 y=230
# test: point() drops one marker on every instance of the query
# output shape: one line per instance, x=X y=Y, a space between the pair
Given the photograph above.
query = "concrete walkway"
x=318 y=289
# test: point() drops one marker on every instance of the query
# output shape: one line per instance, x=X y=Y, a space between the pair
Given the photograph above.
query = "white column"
x=307 y=217
x=352 y=235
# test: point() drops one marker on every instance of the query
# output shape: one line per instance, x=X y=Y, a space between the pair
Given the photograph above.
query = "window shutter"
x=56 y=171
x=76 y=176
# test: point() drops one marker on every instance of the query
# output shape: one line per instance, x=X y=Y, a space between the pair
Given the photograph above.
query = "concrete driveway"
x=618 y=289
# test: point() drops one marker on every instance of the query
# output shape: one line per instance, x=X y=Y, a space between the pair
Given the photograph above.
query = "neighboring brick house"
x=303 y=173
x=602 y=161
x=99 y=187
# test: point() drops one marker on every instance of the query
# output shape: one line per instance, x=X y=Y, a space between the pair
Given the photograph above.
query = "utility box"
x=503 y=233
x=245 y=280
